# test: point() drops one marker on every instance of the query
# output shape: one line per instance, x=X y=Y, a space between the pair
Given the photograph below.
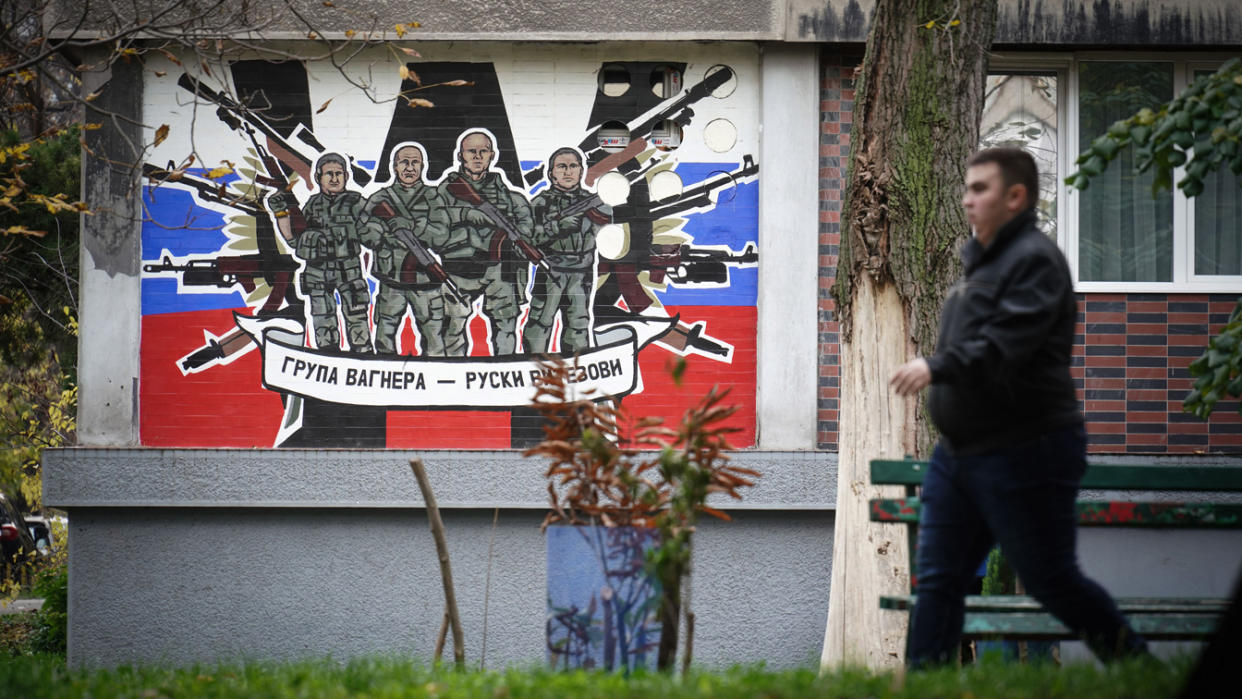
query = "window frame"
x=1065 y=65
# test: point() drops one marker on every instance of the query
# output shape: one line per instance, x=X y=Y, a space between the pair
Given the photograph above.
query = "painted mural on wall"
x=342 y=269
x=603 y=607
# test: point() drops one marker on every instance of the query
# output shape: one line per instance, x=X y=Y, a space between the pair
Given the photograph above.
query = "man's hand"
x=911 y=377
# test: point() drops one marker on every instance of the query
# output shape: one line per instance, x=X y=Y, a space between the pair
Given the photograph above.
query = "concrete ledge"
x=345 y=478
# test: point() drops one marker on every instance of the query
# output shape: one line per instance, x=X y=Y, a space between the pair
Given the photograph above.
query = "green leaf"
x=1093 y=166
x=1199 y=365
x=1139 y=134
x=1235 y=387
x=1105 y=147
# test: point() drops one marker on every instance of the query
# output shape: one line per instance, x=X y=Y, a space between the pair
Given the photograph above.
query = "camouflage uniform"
x=481 y=266
x=421 y=210
x=330 y=246
x=569 y=248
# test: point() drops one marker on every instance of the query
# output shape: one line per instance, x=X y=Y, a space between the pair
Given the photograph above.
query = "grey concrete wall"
x=176 y=586
x=109 y=316
x=1191 y=23
x=789 y=247
x=180 y=556
x=514 y=20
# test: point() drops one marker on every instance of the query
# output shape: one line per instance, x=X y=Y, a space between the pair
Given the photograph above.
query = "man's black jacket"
x=1000 y=374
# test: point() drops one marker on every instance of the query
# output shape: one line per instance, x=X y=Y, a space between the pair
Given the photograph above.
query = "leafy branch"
x=1200 y=129
x=609 y=468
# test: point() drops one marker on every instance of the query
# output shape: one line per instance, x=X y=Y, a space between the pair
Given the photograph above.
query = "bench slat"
x=1098 y=476
x=1033 y=626
x=1128 y=514
x=1026 y=603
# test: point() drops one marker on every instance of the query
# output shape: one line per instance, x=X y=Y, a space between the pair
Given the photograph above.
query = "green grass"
x=47 y=676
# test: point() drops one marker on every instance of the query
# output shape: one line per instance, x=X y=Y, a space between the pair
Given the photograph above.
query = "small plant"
x=611 y=469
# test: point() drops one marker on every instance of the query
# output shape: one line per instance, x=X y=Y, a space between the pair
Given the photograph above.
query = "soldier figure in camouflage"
x=565 y=232
x=330 y=246
x=411 y=204
x=477 y=256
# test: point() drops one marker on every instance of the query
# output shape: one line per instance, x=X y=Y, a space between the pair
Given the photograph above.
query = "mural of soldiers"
x=411 y=204
x=567 y=218
x=330 y=246
x=478 y=256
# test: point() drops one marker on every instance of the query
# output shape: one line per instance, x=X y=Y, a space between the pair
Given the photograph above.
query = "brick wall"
x=1131 y=351
x=836 y=110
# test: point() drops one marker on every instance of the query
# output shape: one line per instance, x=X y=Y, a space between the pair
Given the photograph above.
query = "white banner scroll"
x=439 y=382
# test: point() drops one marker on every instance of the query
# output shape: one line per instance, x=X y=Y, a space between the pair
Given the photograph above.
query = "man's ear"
x=1016 y=197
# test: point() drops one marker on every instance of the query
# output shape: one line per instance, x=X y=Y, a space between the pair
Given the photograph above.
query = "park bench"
x=1019 y=617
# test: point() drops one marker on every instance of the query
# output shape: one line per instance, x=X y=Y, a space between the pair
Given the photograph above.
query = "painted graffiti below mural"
x=399 y=296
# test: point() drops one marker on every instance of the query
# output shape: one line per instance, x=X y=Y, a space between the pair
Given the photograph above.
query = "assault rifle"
x=677 y=110
x=224 y=271
x=421 y=255
x=464 y=191
x=687 y=264
x=275 y=178
x=589 y=206
x=232 y=114
x=700 y=194
x=269 y=264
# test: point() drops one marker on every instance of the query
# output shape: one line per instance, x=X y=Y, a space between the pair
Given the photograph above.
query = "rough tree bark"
x=916 y=120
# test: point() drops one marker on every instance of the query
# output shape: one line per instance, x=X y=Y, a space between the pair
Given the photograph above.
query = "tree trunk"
x=916 y=121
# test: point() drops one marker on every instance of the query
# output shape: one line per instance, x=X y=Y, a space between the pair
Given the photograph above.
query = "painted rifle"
x=420 y=253
x=270 y=265
x=688 y=264
x=588 y=206
x=677 y=109
x=232 y=114
x=464 y=191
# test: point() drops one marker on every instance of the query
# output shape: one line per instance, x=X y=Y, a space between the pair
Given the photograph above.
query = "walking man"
x=1012 y=447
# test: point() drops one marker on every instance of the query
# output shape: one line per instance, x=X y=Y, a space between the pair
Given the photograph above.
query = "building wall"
x=201 y=555
x=676 y=275
x=1131 y=350
x=182 y=554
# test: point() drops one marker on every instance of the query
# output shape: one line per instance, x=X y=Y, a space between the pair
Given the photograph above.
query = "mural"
x=603 y=608
x=384 y=272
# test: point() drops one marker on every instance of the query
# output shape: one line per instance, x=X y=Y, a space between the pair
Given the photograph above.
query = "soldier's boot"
x=576 y=333
x=354 y=302
x=504 y=336
x=455 y=343
x=431 y=332
x=389 y=311
x=323 y=320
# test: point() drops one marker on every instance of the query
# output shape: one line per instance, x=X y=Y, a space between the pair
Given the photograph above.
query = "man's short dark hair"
x=1016 y=167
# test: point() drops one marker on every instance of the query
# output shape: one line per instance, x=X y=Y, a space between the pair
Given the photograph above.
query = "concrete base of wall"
x=180 y=586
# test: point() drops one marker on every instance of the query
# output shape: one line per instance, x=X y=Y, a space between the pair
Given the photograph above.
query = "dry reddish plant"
x=610 y=468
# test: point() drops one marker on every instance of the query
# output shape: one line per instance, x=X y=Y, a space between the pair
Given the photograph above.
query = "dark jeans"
x=1021 y=497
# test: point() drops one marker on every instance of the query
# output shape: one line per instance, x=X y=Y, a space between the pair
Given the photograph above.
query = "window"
x=1116 y=236
x=1216 y=221
x=1020 y=109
